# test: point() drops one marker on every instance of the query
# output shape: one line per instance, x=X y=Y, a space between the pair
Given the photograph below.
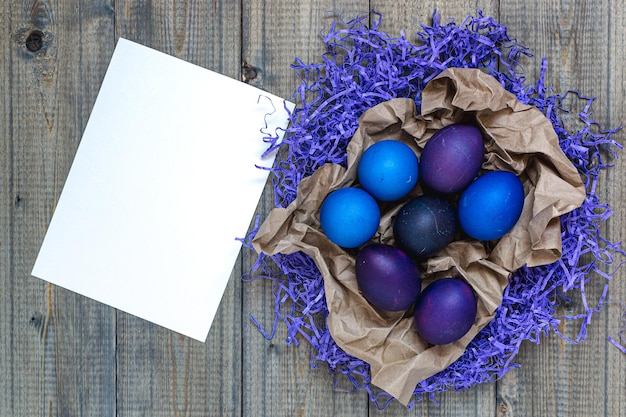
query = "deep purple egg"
x=387 y=277
x=452 y=158
x=445 y=311
x=424 y=225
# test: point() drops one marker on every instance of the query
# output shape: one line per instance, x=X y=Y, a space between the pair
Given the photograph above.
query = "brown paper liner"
x=518 y=138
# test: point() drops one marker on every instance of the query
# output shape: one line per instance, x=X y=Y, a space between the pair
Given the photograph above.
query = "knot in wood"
x=248 y=72
x=34 y=41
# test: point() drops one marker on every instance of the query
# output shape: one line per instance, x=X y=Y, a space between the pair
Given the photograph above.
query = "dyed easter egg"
x=445 y=311
x=349 y=217
x=489 y=208
x=387 y=277
x=424 y=225
x=388 y=170
x=452 y=158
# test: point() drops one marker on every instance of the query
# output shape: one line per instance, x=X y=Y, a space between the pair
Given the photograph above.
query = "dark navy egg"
x=424 y=225
x=445 y=311
x=452 y=158
x=387 y=277
x=491 y=205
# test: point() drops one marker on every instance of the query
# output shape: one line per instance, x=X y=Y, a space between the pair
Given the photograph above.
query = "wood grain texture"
x=161 y=373
x=556 y=377
x=614 y=377
x=409 y=16
x=280 y=377
x=7 y=200
x=64 y=355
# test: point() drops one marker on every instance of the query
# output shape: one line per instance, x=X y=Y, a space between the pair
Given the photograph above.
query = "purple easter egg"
x=445 y=311
x=387 y=277
x=452 y=158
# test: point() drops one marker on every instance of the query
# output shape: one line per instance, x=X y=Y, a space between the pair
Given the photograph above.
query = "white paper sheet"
x=162 y=184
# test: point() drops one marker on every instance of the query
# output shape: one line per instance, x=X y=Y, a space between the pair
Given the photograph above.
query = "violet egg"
x=424 y=225
x=445 y=311
x=349 y=217
x=388 y=170
x=491 y=205
x=452 y=158
x=387 y=277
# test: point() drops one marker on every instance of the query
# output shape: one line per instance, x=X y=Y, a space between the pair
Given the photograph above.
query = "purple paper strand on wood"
x=363 y=66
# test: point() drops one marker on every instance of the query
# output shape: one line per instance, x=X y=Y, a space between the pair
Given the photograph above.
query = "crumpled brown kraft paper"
x=517 y=137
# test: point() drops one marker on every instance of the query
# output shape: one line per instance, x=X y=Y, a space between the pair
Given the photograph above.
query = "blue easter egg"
x=388 y=170
x=349 y=217
x=491 y=205
x=424 y=225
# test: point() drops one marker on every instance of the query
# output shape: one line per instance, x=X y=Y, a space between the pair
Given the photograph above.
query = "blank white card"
x=163 y=183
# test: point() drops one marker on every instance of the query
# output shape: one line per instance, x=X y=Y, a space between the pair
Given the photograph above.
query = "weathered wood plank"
x=204 y=33
x=615 y=107
x=7 y=201
x=408 y=16
x=281 y=379
x=557 y=378
x=58 y=351
x=274 y=34
x=159 y=372
x=61 y=359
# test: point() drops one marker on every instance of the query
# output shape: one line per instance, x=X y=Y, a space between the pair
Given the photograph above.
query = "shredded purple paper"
x=363 y=66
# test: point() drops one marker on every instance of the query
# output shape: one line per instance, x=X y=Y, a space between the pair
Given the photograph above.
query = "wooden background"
x=64 y=355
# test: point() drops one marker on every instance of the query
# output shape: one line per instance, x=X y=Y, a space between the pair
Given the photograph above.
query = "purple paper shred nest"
x=363 y=66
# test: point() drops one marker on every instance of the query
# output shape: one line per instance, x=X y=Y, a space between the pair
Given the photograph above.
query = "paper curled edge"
x=518 y=138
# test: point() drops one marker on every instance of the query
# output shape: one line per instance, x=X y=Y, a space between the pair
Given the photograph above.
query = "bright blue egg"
x=349 y=217
x=388 y=170
x=491 y=205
